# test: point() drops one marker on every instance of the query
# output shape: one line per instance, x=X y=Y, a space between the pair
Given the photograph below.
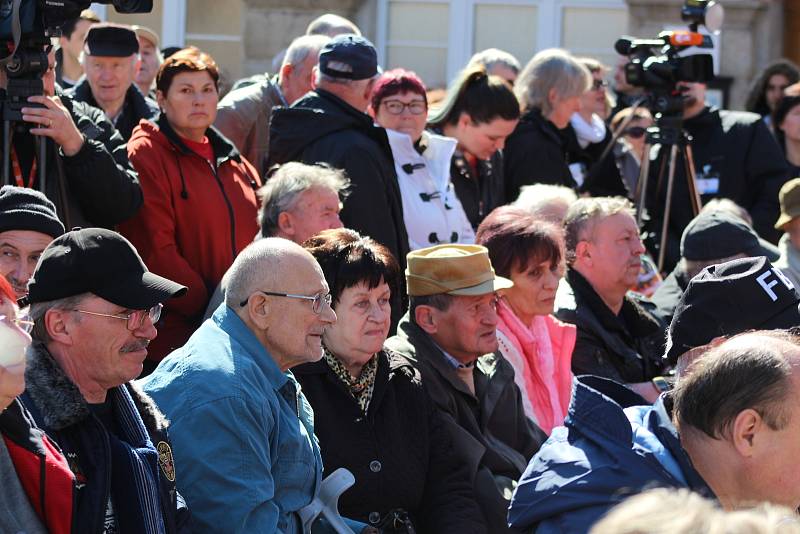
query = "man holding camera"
x=88 y=176
x=735 y=157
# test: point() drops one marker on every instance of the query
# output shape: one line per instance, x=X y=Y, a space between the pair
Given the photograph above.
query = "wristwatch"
x=661 y=384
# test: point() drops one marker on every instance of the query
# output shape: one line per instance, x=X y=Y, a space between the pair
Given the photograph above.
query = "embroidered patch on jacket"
x=165 y=460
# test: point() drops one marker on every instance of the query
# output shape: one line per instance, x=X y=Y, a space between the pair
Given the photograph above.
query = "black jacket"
x=735 y=148
x=535 y=154
x=135 y=108
x=58 y=407
x=496 y=438
x=601 y=176
x=669 y=293
x=626 y=348
x=100 y=187
x=479 y=194
x=400 y=452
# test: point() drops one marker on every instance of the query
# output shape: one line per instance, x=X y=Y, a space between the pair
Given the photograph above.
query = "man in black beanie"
x=28 y=223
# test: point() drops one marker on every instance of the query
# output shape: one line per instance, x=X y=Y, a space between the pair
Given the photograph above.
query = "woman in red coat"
x=200 y=204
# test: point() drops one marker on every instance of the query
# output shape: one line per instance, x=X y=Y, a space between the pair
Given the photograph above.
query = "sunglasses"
x=636 y=132
x=599 y=84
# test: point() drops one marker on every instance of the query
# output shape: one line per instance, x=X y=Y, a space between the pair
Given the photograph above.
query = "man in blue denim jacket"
x=243 y=431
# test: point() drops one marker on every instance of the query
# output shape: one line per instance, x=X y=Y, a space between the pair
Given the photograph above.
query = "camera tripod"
x=669 y=134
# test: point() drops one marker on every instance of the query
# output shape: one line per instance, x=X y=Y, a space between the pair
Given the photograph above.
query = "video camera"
x=656 y=64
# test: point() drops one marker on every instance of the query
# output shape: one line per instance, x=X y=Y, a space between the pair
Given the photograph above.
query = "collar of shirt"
x=453 y=361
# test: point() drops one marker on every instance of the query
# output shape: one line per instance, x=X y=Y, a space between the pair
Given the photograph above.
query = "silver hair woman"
x=549 y=90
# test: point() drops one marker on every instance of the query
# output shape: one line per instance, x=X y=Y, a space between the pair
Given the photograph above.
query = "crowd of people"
x=329 y=301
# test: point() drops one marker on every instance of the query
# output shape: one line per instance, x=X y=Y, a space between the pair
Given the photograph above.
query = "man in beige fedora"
x=450 y=333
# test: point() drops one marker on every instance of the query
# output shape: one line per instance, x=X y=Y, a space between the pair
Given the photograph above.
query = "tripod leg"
x=6 y=152
x=694 y=196
x=673 y=155
x=42 y=163
x=641 y=185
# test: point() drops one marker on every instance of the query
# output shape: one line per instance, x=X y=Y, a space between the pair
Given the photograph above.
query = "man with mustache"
x=450 y=333
x=94 y=306
x=617 y=337
x=28 y=223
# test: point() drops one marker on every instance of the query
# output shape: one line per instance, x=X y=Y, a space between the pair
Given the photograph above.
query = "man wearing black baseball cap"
x=727 y=299
x=329 y=125
x=110 y=62
x=95 y=305
x=710 y=238
x=28 y=223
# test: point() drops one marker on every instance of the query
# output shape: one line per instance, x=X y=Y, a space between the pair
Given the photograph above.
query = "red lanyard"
x=17 y=170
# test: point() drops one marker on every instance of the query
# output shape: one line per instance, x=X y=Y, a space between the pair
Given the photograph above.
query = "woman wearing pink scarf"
x=529 y=251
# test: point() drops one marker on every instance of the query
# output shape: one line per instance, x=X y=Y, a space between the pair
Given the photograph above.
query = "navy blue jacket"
x=596 y=460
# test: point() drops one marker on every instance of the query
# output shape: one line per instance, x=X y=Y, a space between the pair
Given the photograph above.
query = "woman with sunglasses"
x=27 y=457
x=629 y=150
x=432 y=212
x=371 y=414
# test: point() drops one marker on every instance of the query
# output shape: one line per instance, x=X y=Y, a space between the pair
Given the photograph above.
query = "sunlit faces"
x=614 y=252
x=315 y=210
x=534 y=291
x=149 y=66
x=19 y=253
x=467 y=329
x=482 y=140
x=412 y=114
x=563 y=109
x=190 y=103
x=110 y=77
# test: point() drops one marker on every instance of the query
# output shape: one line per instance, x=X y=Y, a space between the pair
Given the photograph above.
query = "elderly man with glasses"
x=243 y=431
x=94 y=306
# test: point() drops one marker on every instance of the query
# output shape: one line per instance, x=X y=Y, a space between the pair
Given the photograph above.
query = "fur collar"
x=59 y=401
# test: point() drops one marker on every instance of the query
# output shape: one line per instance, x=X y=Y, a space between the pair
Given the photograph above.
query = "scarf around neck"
x=588 y=134
x=360 y=387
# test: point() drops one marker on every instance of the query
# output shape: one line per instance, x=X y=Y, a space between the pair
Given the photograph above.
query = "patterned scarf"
x=360 y=388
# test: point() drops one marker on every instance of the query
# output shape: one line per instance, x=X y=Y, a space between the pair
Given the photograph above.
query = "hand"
x=12 y=384
x=55 y=122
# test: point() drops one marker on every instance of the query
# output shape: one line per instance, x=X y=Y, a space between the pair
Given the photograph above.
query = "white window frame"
x=461 y=17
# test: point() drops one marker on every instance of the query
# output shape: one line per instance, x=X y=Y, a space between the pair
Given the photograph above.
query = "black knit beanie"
x=27 y=209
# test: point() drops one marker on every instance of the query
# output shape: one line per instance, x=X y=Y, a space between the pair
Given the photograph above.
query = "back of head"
x=493 y=57
x=551 y=69
x=287 y=183
x=331 y=25
x=302 y=47
x=481 y=96
x=546 y=201
x=583 y=216
x=748 y=371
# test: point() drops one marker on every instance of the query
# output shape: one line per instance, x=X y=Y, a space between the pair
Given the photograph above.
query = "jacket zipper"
x=230 y=209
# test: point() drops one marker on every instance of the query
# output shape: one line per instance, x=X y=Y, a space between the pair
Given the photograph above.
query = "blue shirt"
x=246 y=458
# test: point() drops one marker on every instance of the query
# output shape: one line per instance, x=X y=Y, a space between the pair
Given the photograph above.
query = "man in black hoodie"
x=329 y=125
x=735 y=157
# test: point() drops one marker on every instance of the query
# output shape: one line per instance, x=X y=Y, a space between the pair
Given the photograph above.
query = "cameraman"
x=735 y=157
x=89 y=178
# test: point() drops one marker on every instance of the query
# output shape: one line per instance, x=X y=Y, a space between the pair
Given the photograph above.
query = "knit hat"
x=27 y=209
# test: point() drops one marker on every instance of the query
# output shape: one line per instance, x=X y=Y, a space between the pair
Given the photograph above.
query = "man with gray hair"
x=299 y=201
x=331 y=24
x=243 y=430
x=498 y=63
x=617 y=337
x=329 y=125
x=243 y=114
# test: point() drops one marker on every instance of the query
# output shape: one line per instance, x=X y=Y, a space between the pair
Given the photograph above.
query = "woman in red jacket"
x=200 y=203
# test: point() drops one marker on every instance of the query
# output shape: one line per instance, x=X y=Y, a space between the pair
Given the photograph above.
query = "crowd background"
x=448 y=295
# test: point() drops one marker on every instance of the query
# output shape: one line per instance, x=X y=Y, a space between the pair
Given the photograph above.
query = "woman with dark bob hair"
x=432 y=212
x=530 y=252
x=200 y=205
x=370 y=411
x=479 y=112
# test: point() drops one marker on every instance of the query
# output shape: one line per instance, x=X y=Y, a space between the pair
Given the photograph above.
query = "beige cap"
x=789 y=198
x=452 y=269
x=146 y=33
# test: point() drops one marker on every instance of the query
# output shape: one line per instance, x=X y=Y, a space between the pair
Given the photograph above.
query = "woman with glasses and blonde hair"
x=371 y=413
x=549 y=89
x=432 y=212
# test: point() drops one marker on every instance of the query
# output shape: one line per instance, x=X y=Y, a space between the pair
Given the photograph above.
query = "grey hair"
x=302 y=47
x=728 y=206
x=284 y=187
x=258 y=266
x=583 y=215
x=551 y=69
x=38 y=310
x=331 y=25
x=537 y=198
x=492 y=57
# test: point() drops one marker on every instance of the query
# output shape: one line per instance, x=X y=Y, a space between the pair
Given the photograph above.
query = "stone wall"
x=750 y=38
x=270 y=25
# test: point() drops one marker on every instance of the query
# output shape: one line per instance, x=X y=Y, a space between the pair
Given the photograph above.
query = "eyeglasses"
x=635 y=131
x=316 y=304
x=599 y=84
x=395 y=107
x=23 y=323
x=135 y=319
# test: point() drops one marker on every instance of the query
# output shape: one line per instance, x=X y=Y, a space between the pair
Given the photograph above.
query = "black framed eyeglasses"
x=395 y=107
x=316 y=304
x=135 y=319
x=599 y=84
